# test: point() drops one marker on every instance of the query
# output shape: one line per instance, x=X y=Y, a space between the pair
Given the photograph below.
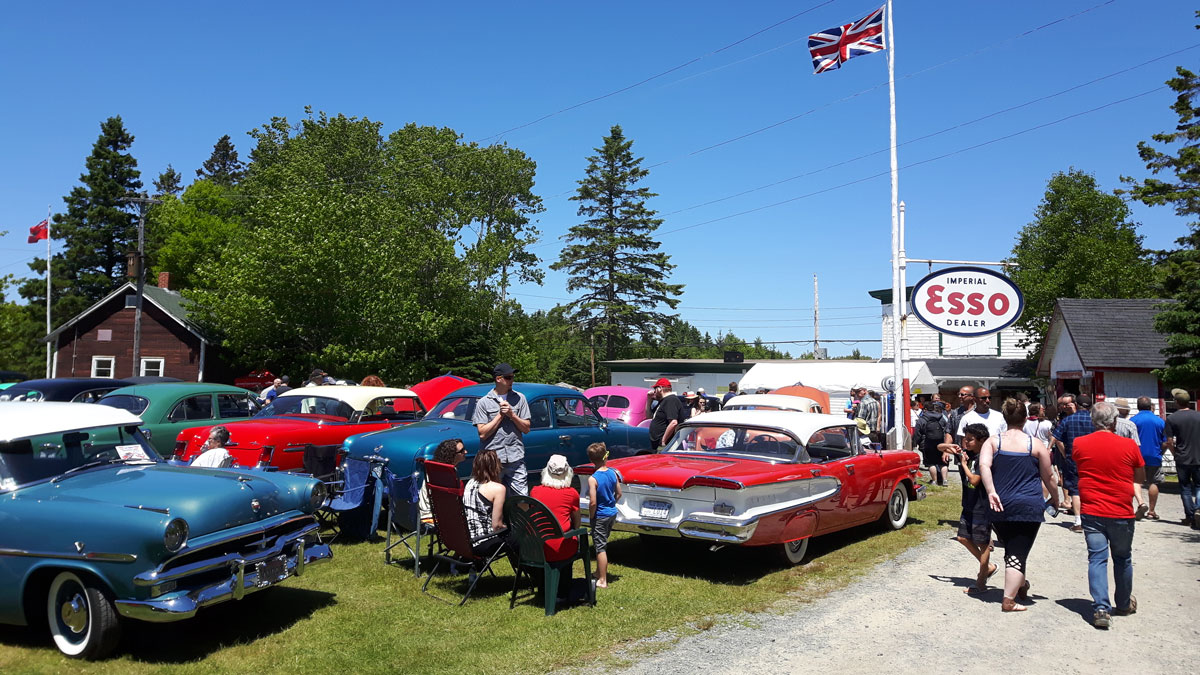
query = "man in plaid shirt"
x=1072 y=427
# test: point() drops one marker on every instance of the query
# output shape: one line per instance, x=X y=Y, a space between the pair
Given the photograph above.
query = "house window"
x=131 y=301
x=152 y=367
x=103 y=366
x=104 y=335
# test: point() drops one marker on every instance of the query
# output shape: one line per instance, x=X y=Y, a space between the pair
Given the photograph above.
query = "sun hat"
x=1122 y=404
x=1180 y=395
x=557 y=473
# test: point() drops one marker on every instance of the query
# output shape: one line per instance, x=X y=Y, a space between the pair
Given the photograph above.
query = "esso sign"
x=967 y=301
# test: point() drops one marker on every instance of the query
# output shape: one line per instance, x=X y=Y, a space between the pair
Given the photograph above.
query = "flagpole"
x=897 y=290
x=48 y=214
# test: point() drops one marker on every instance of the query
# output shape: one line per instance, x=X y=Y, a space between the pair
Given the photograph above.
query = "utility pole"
x=144 y=204
x=593 y=358
x=816 y=320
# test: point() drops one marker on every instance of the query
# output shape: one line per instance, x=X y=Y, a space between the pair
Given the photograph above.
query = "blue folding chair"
x=356 y=506
x=404 y=518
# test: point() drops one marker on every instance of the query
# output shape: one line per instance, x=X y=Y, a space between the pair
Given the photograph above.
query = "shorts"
x=934 y=458
x=1070 y=477
x=601 y=528
x=1154 y=476
x=976 y=528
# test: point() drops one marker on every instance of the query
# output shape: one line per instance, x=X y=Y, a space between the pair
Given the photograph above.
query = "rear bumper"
x=919 y=492
x=248 y=574
x=707 y=528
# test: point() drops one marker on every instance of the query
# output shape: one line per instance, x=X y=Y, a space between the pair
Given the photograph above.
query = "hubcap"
x=795 y=546
x=75 y=613
x=897 y=506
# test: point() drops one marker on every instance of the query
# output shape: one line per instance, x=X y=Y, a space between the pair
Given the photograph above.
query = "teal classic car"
x=168 y=408
x=562 y=422
x=95 y=528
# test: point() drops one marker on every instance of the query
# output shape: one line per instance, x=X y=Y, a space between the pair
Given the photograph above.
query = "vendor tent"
x=835 y=378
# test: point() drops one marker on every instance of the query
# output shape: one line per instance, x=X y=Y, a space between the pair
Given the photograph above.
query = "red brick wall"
x=162 y=337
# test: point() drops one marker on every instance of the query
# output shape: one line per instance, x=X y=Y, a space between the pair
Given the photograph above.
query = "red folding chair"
x=454 y=540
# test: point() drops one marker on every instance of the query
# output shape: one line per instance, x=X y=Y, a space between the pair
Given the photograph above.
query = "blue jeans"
x=1189 y=487
x=1103 y=534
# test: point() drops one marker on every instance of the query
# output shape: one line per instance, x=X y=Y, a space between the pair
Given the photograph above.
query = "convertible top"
x=22 y=419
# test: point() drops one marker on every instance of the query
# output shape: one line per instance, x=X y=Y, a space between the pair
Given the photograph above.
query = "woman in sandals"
x=1015 y=467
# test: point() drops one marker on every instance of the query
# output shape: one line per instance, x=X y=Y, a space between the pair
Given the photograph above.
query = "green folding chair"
x=532 y=524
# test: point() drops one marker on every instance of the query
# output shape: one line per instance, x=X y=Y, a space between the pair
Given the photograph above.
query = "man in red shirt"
x=1111 y=470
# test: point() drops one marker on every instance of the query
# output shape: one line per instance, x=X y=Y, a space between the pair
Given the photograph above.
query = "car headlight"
x=316 y=499
x=175 y=537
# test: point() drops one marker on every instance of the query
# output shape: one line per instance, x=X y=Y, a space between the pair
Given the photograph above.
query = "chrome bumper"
x=921 y=494
x=246 y=575
x=707 y=528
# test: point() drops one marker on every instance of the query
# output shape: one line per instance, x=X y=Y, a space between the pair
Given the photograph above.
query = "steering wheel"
x=764 y=438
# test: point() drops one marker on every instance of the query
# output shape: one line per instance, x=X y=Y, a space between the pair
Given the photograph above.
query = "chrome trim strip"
x=94 y=555
x=184 y=605
x=157 y=509
x=157 y=576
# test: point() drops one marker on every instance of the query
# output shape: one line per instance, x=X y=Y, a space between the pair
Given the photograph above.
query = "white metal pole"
x=904 y=295
x=816 y=320
x=49 y=373
x=897 y=290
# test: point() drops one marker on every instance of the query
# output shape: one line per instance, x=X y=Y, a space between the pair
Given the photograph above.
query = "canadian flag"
x=39 y=232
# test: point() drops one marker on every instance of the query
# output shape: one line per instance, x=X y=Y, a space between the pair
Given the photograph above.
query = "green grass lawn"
x=357 y=615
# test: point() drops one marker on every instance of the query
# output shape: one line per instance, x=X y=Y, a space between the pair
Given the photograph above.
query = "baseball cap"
x=663 y=382
x=502 y=370
x=700 y=391
x=557 y=466
x=1122 y=403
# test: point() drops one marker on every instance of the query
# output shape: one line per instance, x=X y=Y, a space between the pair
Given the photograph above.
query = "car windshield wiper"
x=89 y=465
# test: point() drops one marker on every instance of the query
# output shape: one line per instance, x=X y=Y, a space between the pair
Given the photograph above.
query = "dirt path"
x=911 y=613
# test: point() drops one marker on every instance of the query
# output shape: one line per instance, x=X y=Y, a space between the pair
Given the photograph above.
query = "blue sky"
x=183 y=74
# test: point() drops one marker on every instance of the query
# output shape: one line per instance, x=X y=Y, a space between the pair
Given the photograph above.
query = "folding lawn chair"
x=404 y=518
x=532 y=524
x=356 y=506
x=454 y=540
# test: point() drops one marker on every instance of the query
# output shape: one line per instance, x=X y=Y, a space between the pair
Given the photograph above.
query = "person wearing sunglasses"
x=983 y=414
x=502 y=418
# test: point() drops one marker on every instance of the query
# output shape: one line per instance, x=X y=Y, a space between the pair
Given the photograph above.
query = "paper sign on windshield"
x=967 y=301
x=134 y=452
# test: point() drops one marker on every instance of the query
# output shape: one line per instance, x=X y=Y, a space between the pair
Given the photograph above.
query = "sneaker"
x=1131 y=609
x=1101 y=619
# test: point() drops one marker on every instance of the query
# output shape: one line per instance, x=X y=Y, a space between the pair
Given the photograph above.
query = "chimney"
x=164 y=280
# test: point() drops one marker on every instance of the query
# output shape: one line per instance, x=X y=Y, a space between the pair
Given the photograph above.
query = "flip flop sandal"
x=1010 y=605
x=1152 y=515
x=1141 y=512
x=992 y=572
x=1023 y=592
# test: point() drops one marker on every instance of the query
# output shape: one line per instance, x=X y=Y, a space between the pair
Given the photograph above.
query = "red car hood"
x=672 y=470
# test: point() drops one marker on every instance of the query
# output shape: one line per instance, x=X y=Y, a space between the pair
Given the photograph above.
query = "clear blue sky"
x=182 y=75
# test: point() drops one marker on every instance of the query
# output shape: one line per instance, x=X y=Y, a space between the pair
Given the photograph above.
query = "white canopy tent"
x=835 y=378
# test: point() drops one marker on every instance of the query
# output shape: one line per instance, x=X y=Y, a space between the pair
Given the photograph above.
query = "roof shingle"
x=1114 y=333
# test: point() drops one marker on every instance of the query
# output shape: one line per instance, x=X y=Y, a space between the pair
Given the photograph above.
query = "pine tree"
x=615 y=261
x=223 y=166
x=169 y=182
x=97 y=230
x=1181 y=278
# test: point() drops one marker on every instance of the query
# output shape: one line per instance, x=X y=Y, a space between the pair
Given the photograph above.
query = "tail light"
x=712 y=482
x=180 y=447
x=264 y=457
x=585 y=469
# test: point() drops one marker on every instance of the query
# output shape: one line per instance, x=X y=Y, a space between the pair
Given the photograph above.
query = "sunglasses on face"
x=984 y=398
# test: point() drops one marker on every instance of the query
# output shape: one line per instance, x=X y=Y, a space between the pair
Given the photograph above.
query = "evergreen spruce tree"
x=1181 y=278
x=169 y=182
x=614 y=259
x=96 y=231
x=223 y=166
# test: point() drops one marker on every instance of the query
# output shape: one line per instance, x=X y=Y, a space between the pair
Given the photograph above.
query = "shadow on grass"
x=257 y=616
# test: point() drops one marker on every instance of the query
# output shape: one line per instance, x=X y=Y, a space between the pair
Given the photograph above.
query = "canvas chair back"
x=446 y=502
x=320 y=461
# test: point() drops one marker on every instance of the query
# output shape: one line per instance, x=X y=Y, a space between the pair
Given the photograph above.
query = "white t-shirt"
x=1039 y=429
x=993 y=420
x=217 y=458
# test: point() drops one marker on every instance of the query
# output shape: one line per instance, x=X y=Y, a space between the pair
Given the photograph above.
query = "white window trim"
x=112 y=366
x=148 y=360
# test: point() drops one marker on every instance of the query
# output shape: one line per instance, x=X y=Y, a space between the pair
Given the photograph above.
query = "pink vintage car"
x=616 y=402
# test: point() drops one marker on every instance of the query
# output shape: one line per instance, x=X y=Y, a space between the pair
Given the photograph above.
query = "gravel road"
x=911 y=612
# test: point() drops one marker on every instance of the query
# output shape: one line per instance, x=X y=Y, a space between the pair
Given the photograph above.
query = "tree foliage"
x=169 y=182
x=1179 y=158
x=223 y=166
x=21 y=330
x=1081 y=244
x=614 y=259
x=191 y=230
x=96 y=231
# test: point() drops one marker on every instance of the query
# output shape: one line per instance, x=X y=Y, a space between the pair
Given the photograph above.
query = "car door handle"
x=815 y=472
x=850 y=469
x=564 y=438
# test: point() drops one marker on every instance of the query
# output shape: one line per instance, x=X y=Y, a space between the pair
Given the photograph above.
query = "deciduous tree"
x=612 y=256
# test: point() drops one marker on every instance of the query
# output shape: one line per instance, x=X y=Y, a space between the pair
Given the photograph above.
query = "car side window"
x=236 y=405
x=192 y=408
x=397 y=408
x=831 y=444
x=539 y=414
x=573 y=412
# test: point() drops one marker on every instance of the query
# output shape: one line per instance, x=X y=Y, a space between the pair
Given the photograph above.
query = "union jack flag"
x=832 y=47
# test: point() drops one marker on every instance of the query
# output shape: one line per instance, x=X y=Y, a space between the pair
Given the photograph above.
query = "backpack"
x=928 y=432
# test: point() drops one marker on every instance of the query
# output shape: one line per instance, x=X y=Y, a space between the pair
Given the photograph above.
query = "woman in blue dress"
x=1015 y=467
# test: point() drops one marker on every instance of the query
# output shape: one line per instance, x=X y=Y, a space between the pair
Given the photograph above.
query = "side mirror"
x=604 y=423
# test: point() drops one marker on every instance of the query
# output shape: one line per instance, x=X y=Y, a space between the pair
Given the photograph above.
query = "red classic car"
x=764 y=478
x=278 y=434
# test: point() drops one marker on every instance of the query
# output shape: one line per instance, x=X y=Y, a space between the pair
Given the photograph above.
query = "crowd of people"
x=1018 y=464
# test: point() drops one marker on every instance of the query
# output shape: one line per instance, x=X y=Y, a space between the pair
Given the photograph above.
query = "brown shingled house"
x=99 y=341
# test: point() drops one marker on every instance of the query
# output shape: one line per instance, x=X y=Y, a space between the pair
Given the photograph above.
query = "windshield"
x=134 y=404
x=454 y=408
x=26 y=460
x=22 y=394
x=307 y=405
x=728 y=440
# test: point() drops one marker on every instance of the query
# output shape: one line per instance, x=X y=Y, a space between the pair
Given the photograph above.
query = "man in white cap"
x=1125 y=426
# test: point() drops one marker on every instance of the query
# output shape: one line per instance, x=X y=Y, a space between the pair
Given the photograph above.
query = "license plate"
x=271 y=571
x=655 y=510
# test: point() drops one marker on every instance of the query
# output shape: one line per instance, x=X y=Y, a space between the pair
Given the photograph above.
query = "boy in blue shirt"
x=1151 y=435
x=604 y=490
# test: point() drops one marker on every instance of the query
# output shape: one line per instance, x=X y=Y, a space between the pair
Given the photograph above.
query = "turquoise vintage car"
x=96 y=528
x=168 y=408
x=562 y=422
